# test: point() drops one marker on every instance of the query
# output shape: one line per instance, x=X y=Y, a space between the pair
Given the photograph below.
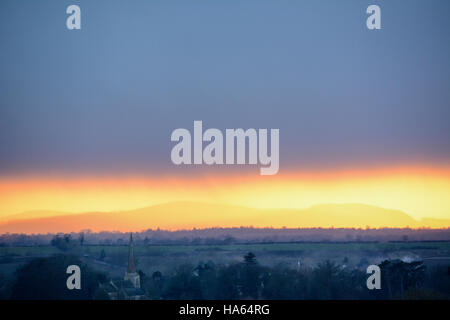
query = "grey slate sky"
x=106 y=98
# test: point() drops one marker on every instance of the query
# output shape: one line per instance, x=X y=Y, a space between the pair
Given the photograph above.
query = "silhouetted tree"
x=398 y=276
x=81 y=238
x=251 y=276
x=63 y=243
x=45 y=278
x=250 y=259
x=102 y=255
x=183 y=285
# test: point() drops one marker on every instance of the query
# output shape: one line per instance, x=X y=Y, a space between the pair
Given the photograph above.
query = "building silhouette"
x=132 y=275
x=128 y=288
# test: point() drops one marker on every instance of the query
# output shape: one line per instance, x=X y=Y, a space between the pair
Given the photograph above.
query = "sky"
x=99 y=104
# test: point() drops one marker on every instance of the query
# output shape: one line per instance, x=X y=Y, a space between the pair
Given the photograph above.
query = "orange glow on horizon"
x=419 y=192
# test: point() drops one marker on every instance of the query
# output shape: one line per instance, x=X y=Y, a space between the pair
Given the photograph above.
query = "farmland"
x=165 y=258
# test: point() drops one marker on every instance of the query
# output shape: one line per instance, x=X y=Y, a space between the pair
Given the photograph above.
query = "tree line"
x=45 y=278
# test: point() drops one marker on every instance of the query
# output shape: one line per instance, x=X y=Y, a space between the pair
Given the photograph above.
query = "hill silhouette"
x=188 y=215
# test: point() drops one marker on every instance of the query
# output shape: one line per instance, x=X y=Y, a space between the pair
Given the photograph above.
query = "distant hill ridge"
x=188 y=215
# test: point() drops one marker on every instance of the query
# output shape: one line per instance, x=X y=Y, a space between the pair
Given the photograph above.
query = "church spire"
x=131 y=261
